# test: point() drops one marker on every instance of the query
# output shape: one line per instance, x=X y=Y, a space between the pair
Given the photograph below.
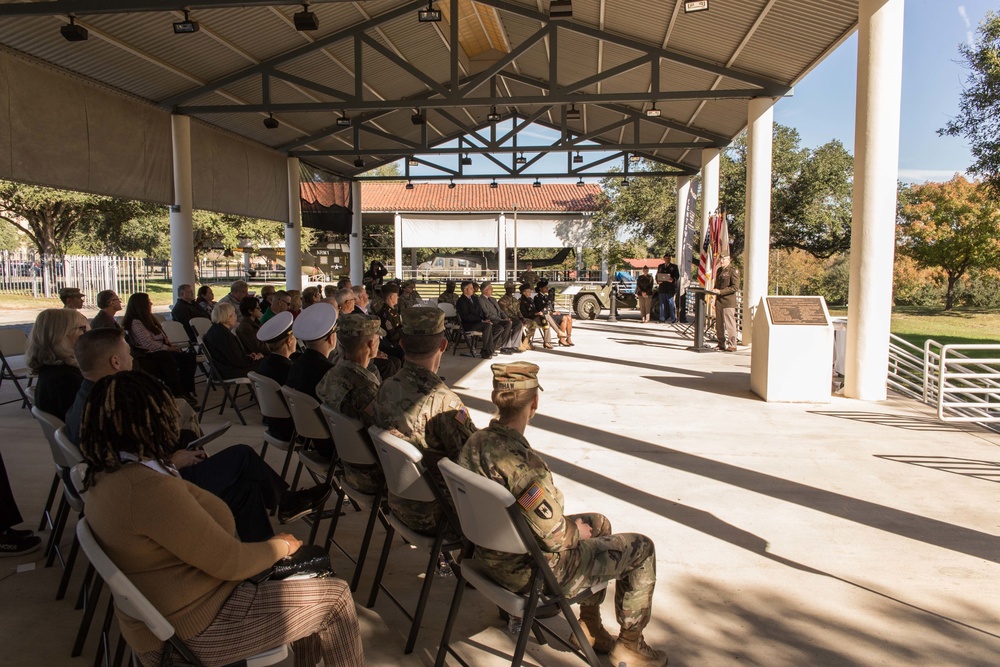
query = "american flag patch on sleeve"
x=461 y=415
x=531 y=497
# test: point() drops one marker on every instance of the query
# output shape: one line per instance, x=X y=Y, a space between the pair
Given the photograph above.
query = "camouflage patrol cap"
x=514 y=376
x=509 y=285
x=423 y=321
x=359 y=325
x=410 y=283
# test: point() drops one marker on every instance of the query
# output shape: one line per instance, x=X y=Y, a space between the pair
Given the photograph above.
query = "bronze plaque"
x=797 y=310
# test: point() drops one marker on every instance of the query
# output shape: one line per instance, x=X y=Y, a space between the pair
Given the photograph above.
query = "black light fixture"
x=359 y=163
x=429 y=15
x=561 y=9
x=451 y=186
x=580 y=183
x=186 y=26
x=578 y=159
x=695 y=6
x=417 y=118
x=413 y=161
x=344 y=120
x=466 y=161
x=493 y=185
x=409 y=185
x=634 y=157
x=624 y=182
x=73 y=32
x=493 y=116
x=536 y=184
x=653 y=112
x=520 y=159
x=572 y=113
x=305 y=20
x=271 y=122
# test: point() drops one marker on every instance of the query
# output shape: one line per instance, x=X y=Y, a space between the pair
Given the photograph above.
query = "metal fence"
x=28 y=274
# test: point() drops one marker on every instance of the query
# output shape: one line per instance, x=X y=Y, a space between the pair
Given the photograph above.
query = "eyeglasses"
x=287 y=303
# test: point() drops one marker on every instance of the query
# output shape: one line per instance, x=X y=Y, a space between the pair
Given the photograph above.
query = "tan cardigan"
x=178 y=545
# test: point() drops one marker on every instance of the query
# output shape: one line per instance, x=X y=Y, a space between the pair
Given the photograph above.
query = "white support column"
x=876 y=158
x=182 y=213
x=579 y=262
x=709 y=187
x=760 y=136
x=683 y=191
x=502 y=248
x=398 y=256
x=293 y=229
x=354 y=246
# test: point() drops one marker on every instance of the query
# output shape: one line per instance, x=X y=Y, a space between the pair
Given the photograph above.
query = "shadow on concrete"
x=722 y=383
x=907 y=422
x=988 y=471
x=891 y=520
x=562 y=352
x=664 y=332
x=643 y=343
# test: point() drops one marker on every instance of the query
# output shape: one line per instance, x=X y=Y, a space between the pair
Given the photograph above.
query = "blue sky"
x=822 y=107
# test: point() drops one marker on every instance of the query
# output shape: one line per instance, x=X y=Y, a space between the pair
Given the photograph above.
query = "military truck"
x=590 y=299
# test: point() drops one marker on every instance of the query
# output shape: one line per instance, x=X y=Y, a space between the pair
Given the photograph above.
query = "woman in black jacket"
x=228 y=356
x=49 y=355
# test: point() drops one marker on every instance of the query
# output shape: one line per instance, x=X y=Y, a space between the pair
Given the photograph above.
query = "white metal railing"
x=29 y=274
x=964 y=389
x=907 y=368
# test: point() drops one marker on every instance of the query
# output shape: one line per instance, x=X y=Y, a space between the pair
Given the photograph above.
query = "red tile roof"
x=639 y=263
x=551 y=197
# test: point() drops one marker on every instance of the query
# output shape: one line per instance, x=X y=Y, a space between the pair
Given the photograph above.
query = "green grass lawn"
x=916 y=324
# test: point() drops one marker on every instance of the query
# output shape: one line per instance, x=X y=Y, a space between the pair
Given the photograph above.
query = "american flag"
x=705 y=263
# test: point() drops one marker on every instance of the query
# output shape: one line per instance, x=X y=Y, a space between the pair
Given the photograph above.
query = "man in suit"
x=474 y=319
x=186 y=310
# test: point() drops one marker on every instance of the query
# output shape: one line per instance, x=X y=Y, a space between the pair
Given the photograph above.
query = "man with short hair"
x=418 y=406
x=528 y=276
x=474 y=319
x=109 y=304
x=448 y=295
x=345 y=281
x=186 y=310
x=509 y=339
x=280 y=302
x=329 y=291
x=317 y=328
x=667 y=275
x=727 y=284
x=345 y=300
x=277 y=335
x=408 y=296
x=237 y=291
x=71 y=297
x=391 y=322
x=361 y=301
x=351 y=389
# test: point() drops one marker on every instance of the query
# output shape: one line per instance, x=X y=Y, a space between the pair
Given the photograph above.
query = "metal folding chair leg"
x=68 y=570
x=47 y=512
x=52 y=548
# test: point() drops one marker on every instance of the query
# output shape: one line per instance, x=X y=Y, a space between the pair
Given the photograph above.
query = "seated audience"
x=206 y=299
x=109 y=304
x=317 y=328
x=361 y=301
x=295 y=304
x=13 y=541
x=237 y=291
x=345 y=281
x=228 y=356
x=161 y=357
x=186 y=310
x=471 y=314
x=391 y=323
x=49 y=355
x=310 y=295
x=580 y=548
x=71 y=297
x=235 y=474
x=266 y=294
x=560 y=322
x=277 y=334
x=408 y=295
x=448 y=295
x=533 y=319
x=280 y=302
x=346 y=301
x=247 y=330
x=511 y=306
x=510 y=336
x=187 y=561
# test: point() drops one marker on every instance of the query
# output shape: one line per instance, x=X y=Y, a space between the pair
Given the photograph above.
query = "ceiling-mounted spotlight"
x=359 y=163
x=580 y=183
x=73 y=32
x=412 y=161
x=493 y=116
x=429 y=15
x=305 y=20
x=344 y=120
x=409 y=185
x=561 y=9
x=520 y=159
x=536 y=184
x=572 y=113
x=653 y=112
x=451 y=186
x=695 y=6
x=466 y=161
x=417 y=118
x=634 y=157
x=185 y=26
x=493 y=185
x=624 y=182
x=578 y=159
x=271 y=122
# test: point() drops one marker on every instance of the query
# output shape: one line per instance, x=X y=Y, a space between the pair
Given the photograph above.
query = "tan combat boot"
x=593 y=628
x=632 y=650
x=526 y=345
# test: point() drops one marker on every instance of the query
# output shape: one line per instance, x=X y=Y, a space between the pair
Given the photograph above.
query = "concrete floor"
x=846 y=533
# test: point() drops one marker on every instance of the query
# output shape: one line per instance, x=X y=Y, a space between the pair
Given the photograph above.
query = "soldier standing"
x=528 y=276
x=727 y=283
x=580 y=548
x=417 y=406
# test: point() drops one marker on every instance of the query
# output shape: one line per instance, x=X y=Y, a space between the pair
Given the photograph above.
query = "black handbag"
x=309 y=562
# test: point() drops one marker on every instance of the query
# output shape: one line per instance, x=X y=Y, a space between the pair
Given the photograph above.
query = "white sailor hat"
x=315 y=322
x=276 y=328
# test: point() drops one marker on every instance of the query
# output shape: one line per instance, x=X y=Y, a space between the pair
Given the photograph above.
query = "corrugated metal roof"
x=139 y=54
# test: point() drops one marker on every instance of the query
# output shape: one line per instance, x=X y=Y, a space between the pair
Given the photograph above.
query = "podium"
x=792 y=350
x=699 y=318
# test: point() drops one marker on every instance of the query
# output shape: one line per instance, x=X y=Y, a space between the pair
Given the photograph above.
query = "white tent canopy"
x=483 y=230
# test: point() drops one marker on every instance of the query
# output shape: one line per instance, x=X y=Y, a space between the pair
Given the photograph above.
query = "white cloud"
x=969 y=36
x=924 y=175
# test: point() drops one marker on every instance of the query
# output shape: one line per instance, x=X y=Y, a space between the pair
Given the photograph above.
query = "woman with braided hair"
x=177 y=544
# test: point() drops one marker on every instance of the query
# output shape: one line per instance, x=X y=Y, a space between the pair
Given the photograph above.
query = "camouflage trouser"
x=628 y=558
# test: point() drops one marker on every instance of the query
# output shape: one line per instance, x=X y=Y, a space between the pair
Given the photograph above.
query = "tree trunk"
x=949 y=297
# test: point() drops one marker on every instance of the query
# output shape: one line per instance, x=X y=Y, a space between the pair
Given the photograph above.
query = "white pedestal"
x=791 y=359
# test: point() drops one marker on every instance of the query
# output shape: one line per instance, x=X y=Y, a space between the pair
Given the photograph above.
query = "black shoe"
x=506 y=350
x=299 y=503
x=15 y=533
x=13 y=544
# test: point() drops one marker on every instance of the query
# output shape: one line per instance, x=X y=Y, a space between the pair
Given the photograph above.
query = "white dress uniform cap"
x=315 y=322
x=275 y=328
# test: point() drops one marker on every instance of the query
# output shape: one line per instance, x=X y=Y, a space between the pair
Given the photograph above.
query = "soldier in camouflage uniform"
x=392 y=324
x=580 y=548
x=416 y=405
x=351 y=388
x=408 y=295
x=448 y=295
x=510 y=306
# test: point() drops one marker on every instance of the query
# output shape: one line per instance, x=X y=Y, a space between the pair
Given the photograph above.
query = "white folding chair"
x=310 y=426
x=50 y=424
x=272 y=406
x=176 y=333
x=235 y=384
x=491 y=518
x=456 y=333
x=13 y=343
x=201 y=325
x=134 y=604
